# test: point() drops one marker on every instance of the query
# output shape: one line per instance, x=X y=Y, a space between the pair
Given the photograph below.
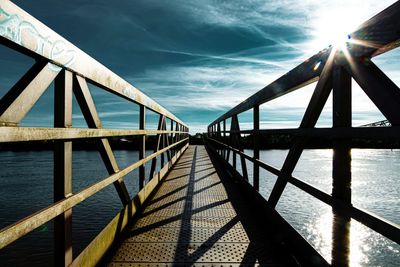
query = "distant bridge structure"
x=383 y=123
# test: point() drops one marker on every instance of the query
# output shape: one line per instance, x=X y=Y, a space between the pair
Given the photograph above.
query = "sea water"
x=27 y=186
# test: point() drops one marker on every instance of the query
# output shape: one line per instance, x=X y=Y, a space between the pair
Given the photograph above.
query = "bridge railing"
x=71 y=70
x=333 y=68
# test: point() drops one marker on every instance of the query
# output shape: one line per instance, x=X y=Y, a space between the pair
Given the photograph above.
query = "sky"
x=200 y=58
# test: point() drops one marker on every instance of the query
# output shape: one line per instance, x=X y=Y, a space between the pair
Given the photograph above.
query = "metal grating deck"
x=190 y=221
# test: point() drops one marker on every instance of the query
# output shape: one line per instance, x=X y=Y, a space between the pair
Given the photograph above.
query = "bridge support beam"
x=142 y=145
x=341 y=168
x=224 y=137
x=310 y=118
x=63 y=169
x=256 y=148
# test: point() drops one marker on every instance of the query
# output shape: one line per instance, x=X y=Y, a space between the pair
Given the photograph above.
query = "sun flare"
x=333 y=27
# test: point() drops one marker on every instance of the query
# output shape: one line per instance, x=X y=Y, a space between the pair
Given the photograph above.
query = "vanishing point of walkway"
x=195 y=219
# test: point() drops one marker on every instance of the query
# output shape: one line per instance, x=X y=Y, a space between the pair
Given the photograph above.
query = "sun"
x=333 y=26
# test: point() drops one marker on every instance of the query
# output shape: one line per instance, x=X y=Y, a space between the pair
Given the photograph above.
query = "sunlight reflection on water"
x=320 y=235
x=375 y=188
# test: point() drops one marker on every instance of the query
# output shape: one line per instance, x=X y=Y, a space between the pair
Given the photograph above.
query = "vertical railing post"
x=172 y=138
x=256 y=147
x=232 y=135
x=183 y=132
x=228 y=142
x=341 y=168
x=187 y=133
x=180 y=132
x=162 y=143
x=142 y=145
x=219 y=137
x=224 y=137
x=176 y=135
x=63 y=169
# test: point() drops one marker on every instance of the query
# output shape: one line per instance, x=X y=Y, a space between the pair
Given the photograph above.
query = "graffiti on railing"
x=25 y=33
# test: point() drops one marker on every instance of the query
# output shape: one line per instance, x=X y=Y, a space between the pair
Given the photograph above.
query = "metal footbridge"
x=202 y=207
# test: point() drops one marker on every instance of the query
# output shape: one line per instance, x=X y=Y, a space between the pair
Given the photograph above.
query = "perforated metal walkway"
x=195 y=220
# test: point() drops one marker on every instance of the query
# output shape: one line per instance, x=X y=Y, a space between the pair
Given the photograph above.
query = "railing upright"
x=224 y=137
x=142 y=146
x=63 y=168
x=341 y=167
x=256 y=147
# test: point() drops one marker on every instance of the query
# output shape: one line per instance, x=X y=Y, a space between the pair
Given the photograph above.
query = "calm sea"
x=26 y=187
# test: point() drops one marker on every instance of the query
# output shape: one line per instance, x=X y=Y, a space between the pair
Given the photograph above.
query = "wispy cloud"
x=207 y=87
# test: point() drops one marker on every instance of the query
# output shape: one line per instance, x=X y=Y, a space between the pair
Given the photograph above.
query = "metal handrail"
x=333 y=68
x=380 y=225
x=72 y=70
x=22 y=32
x=13 y=232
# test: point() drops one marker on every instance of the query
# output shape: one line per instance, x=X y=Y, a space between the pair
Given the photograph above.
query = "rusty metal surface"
x=191 y=221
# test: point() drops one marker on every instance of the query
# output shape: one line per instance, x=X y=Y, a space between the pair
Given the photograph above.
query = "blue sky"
x=201 y=58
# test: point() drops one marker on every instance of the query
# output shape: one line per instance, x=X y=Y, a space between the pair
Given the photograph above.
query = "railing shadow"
x=261 y=251
x=189 y=249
